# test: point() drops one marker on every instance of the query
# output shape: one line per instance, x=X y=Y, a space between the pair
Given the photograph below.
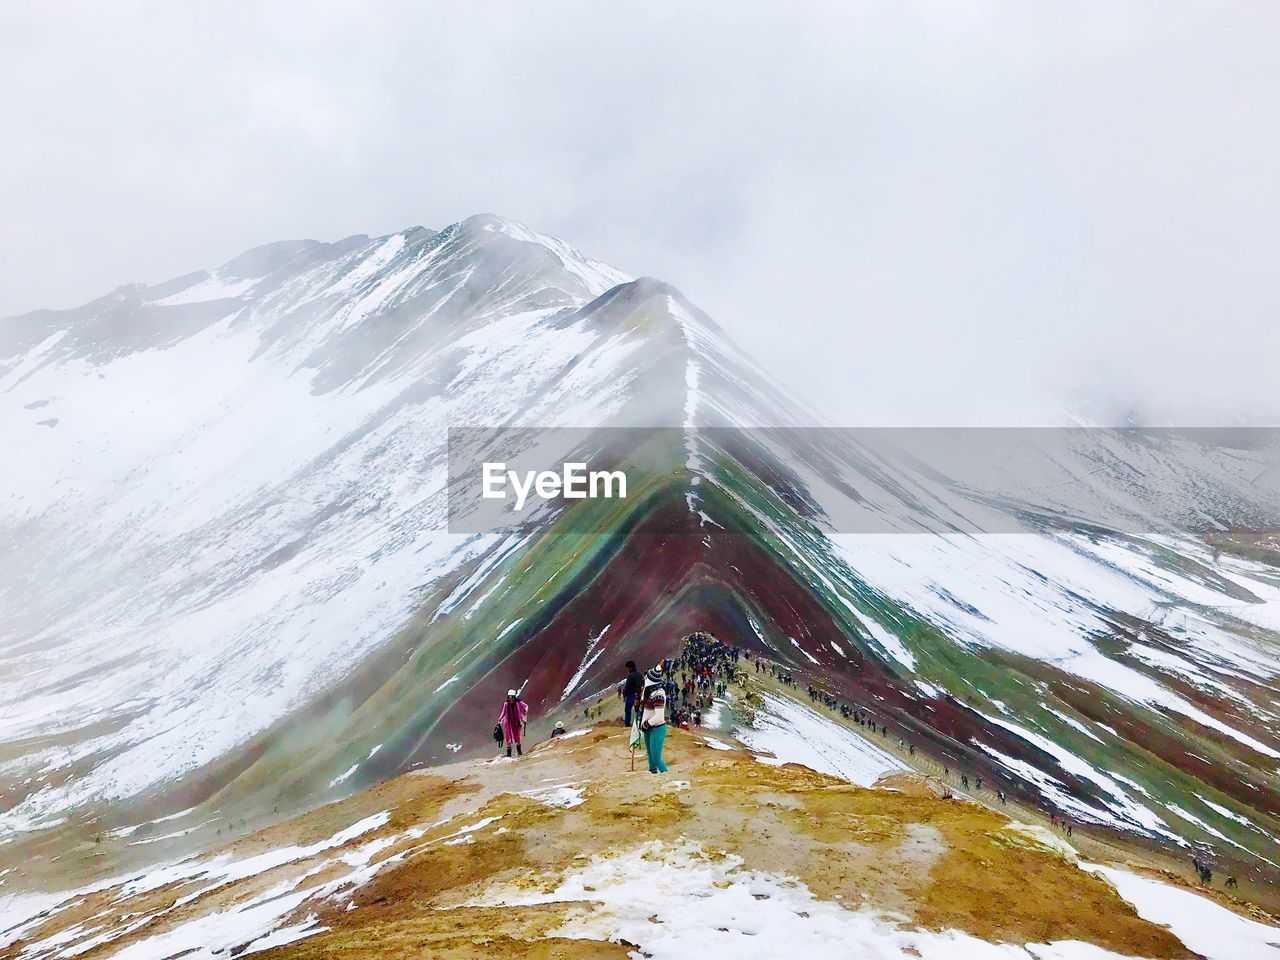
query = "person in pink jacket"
x=512 y=719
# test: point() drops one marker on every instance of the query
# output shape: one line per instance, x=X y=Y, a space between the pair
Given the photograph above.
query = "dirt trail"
x=939 y=863
x=453 y=862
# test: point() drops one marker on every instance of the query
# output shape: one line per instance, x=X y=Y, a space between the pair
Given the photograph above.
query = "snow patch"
x=1203 y=925
x=564 y=796
x=795 y=734
x=679 y=900
x=588 y=659
x=345 y=775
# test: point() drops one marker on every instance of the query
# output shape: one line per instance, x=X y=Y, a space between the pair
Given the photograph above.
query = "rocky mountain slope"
x=231 y=591
x=570 y=852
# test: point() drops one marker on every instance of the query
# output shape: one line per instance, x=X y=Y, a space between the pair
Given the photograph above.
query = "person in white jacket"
x=653 y=718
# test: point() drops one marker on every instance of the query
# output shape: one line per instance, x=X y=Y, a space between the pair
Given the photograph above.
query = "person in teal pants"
x=654 y=738
x=653 y=720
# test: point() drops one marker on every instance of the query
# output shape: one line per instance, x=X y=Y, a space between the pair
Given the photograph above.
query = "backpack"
x=497 y=732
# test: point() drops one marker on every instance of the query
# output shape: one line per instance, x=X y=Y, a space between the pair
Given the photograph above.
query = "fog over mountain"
x=577 y=480
x=929 y=213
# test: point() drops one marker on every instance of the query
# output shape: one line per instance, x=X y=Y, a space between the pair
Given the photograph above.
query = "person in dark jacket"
x=630 y=691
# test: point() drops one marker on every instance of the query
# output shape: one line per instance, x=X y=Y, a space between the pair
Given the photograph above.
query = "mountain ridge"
x=566 y=853
x=232 y=578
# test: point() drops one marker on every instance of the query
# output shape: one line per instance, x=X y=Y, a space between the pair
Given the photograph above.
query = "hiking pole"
x=633 y=741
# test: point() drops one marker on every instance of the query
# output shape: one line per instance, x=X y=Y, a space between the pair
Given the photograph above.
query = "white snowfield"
x=224 y=520
x=240 y=923
x=1203 y=925
x=252 y=896
x=679 y=900
x=792 y=733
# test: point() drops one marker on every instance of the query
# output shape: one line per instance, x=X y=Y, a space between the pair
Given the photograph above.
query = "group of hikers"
x=859 y=716
x=863 y=718
x=676 y=691
x=773 y=670
x=680 y=691
x=1206 y=874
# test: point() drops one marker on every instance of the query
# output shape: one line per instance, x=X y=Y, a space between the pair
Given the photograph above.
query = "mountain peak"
x=492 y=222
x=268 y=257
x=233 y=586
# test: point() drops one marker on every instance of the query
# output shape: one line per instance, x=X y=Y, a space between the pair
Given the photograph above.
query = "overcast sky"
x=941 y=213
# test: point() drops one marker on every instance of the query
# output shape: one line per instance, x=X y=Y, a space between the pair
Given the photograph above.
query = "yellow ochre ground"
x=924 y=861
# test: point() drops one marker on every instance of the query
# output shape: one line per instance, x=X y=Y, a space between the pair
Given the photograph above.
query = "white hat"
x=559 y=724
x=511 y=693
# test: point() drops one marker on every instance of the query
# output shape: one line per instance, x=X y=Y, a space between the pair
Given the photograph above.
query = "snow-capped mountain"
x=230 y=583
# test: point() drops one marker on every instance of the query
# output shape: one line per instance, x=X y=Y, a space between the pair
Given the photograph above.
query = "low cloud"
x=937 y=213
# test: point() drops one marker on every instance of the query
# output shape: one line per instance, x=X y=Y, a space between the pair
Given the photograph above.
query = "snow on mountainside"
x=228 y=585
x=230 y=486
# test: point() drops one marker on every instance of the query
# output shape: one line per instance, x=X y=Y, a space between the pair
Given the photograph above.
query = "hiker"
x=512 y=718
x=558 y=730
x=653 y=718
x=1231 y=882
x=630 y=691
